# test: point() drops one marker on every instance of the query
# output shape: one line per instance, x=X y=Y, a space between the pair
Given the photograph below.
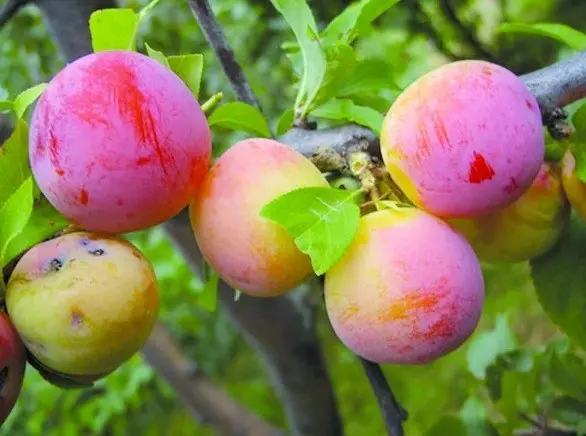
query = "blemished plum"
x=118 y=142
x=12 y=366
x=464 y=139
x=526 y=229
x=409 y=290
x=253 y=254
x=83 y=303
x=574 y=187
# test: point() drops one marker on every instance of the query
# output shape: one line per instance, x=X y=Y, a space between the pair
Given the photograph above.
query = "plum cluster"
x=118 y=143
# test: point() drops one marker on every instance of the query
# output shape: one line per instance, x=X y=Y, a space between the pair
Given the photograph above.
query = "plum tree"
x=408 y=290
x=456 y=159
x=118 y=142
x=574 y=187
x=528 y=228
x=251 y=253
x=83 y=303
x=12 y=366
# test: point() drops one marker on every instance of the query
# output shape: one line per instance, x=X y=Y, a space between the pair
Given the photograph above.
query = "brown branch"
x=207 y=402
x=9 y=9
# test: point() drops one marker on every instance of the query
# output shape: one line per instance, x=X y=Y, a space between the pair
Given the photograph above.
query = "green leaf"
x=324 y=222
x=488 y=345
x=346 y=110
x=370 y=75
x=189 y=68
x=567 y=373
x=27 y=98
x=157 y=55
x=147 y=9
x=560 y=284
x=578 y=142
x=6 y=105
x=113 y=29
x=340 y=67
x=44 y=221
x=447 y=425
x=14 y=215
x=516 y=360
x=354 y=20
x=209 y=296
x=285 y=122
x=302 y=22
x=561 y=32
x=14 y=162
x=240 y=116
x=568 y=410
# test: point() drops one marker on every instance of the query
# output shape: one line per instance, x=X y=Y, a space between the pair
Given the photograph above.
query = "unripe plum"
x=118 y=142
x=528 y=228
x=12 y=366
x=251 y=253
x=574 y=187
x=464 y=139
x=408 y=290
x=83 y=303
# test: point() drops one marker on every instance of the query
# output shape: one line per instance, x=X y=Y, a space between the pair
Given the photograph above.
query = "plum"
x=574 y=187
x=253 y=254
x=408 y=291
x=526 y=229
x=83 y=303
x=118 y=142
x=12 y=366
x=464 y=139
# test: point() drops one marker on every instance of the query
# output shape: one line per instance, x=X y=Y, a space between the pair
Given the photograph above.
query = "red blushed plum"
x=464 y=140
x=118 y=143
x=252 y=254
x=528 y=228
x=12 y=366
x=83 y=303
x=574 y=187
x=408 y=291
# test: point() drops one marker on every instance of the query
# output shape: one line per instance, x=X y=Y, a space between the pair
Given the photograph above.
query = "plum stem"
x=393 y=412
x=211 y=103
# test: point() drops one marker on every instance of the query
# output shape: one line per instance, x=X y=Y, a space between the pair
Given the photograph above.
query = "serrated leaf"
x=345 y=110
x=323 y=224
x=300 y=19
x=240 y=116
x=44 y=221
x=14 y=162
x=113 y=29
x=560 y=285
x=157 y=55
x=14 y=215
x=353 y=21
x=341 y=64
x=285 y=122
x=488 y=345
x=189 y=68
x=515 y=360
x=567 y=373
x=27 y=98
x=560 y=32
x=569 y=410
x=370 y=75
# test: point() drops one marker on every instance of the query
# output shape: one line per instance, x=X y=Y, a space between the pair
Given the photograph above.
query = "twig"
x=467 y=34
x=215 y=36
x=393 y=413
x=9 y=10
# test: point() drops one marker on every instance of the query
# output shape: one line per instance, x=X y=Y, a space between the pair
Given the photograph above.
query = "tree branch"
x=215 y=36
x=9 y=9
x=206 y=402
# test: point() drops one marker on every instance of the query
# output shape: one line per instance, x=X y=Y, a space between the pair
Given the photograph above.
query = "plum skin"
x=574 y=187
x=83 y=303
x=464 y=139
x=526 y=229
x=12 y=360
x=250 y=253
x=408 y=291
x=118 y=142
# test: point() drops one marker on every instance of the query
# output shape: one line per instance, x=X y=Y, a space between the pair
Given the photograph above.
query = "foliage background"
x=413 y=38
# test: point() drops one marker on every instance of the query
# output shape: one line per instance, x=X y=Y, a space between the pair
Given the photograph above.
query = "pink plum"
x=526 y=229
x=118 y=142
x=251 y=253
x=464 y=139
x=408 y=290
x=83 y=303
x=12 y=366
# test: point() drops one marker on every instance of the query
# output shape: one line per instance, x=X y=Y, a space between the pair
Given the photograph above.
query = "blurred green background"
x=413 y=38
